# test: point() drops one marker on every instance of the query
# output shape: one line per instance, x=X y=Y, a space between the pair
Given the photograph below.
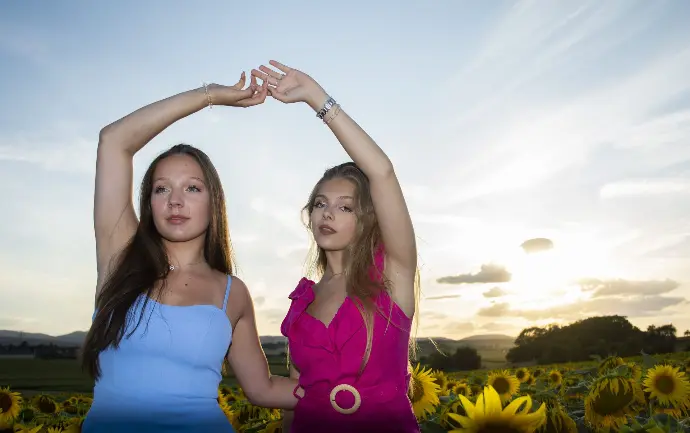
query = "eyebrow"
x=193 y=177
x=340 y=197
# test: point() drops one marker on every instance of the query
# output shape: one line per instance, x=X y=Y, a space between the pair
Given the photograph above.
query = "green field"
x=65 y=375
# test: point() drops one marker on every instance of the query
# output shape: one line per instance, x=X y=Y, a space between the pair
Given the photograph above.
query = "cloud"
x=274 y=316
x=498 y=327
x=638 y=306
x=455 y=328
x=494 y=292
x=435 y=298
x=642 y=187
x=53 y=151
x=489 y=273
x=433 y=316
x=641 y=306
x=536 y=245
x=496 y=310
x=601 y=288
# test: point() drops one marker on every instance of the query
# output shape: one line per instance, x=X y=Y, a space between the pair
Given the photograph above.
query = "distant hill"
x=425 y=346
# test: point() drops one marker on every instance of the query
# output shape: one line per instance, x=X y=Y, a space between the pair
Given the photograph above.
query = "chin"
x=182 y=234
x=330 y=244
x=180 y=237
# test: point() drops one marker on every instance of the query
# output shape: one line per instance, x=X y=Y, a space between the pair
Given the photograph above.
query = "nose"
x=175 y=199
x=327 y=214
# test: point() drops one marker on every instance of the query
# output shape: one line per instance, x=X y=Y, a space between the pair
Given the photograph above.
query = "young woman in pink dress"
x=349 y=333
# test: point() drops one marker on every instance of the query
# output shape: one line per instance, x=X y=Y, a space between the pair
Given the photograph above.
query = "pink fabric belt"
x=346 y=398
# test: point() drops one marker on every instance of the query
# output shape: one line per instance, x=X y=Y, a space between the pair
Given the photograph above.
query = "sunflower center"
x=610 y=403
x=497 y=427
x=665 y=385
x=417 y=390
x=5 y=402
x=501 y=385
x=555 y=377
x=520 y=374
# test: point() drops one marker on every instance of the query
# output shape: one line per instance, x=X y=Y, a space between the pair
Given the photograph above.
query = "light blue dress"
x=165 y=376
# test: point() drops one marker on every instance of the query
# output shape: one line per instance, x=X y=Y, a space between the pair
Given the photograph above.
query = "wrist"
x=317 y=99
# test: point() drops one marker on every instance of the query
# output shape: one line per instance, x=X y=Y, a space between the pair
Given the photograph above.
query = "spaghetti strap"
x=227 y=292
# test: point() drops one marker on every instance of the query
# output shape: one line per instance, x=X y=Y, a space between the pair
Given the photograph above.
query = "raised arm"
x=389 y=203
x=114 y=219
x=248 y=361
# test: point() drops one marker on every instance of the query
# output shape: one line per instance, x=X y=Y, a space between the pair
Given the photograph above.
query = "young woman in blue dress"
x=167 y=303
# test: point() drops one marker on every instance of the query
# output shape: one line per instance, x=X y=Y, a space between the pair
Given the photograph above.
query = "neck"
x=335 y=263
x=182 y=254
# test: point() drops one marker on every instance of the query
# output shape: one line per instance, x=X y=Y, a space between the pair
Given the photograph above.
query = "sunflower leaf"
x=431 y=427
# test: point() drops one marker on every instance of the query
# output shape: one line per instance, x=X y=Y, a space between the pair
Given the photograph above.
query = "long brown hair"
x=143 y=262
x=361 y=252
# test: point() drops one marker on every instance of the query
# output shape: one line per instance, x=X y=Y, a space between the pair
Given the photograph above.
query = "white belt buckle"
x=355 y=394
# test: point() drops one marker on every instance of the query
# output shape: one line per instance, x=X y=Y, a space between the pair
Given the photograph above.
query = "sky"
x=505 y=121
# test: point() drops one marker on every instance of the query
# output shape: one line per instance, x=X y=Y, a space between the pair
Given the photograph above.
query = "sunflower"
x=504 y=383
x=522 y=374
x=531 y=380
x=555 y=377
x=537 y=372
x=20 y=428
x=423 y=393
x=557 y=420
x=488 y=414
x=441 y=380
x=461 y=388
x=668 y=386
x=609 y=364
x=635 y=371
x=75 y=425
x=54 y=430
x=611 y=399
x=10 y=404
x=273 y=427
x=45 y=404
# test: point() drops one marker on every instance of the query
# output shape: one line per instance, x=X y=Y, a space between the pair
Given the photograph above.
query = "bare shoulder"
x=239 y=300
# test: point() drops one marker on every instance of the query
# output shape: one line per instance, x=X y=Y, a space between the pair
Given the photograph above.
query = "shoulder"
x=239 y=290
x=239 y=302
x=305 y=287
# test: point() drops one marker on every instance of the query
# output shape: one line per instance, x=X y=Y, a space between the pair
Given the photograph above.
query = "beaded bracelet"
x=208 y=95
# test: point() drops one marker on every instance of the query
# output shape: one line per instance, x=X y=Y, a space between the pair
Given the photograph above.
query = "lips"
x=177 y=219
x=325 y=229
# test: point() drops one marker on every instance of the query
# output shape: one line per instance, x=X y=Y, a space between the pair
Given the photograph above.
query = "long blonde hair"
x=362 y=286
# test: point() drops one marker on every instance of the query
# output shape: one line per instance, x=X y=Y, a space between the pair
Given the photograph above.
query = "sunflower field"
x=642 y=394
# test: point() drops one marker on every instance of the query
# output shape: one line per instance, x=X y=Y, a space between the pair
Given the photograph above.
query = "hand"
x=291 y=85
x=236 y=96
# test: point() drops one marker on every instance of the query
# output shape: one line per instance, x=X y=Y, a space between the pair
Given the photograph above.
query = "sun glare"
x=549 y=277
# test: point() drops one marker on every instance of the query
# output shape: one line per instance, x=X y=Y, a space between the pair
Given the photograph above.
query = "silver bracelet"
x=330 y=102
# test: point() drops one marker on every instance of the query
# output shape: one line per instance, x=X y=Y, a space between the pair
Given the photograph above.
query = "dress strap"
x=227 y=292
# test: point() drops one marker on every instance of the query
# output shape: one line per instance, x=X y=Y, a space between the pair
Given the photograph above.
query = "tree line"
x=583 y=339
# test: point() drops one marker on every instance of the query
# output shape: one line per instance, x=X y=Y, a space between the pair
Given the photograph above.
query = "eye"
x=159 y=189
x=319 y=204
x=345 y=209
x=194 y=188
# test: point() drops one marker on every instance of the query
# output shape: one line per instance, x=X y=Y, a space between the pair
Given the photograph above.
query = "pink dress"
x=326 y=357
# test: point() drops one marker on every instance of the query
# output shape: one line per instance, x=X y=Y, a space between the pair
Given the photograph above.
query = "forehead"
x=178 y=166
x=338 y=187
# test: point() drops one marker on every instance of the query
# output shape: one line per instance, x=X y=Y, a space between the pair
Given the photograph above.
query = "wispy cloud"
x=652 y=186
x=72 y=154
